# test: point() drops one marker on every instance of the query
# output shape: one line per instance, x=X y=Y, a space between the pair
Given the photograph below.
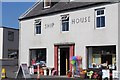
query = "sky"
x=11 y=11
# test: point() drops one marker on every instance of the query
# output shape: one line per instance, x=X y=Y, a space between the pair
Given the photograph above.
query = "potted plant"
x=69 y=74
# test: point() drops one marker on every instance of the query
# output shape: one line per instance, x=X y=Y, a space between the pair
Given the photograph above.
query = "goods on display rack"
x=93 y=73
x=76 y=62
x=34 y=67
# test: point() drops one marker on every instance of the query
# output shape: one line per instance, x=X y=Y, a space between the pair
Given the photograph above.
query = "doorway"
x=62 y=54
x=64 y=60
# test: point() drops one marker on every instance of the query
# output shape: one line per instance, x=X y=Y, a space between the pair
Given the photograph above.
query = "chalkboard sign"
x=23 y=71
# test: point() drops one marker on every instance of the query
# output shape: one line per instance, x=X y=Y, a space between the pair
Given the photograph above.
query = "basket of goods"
x=82 y=73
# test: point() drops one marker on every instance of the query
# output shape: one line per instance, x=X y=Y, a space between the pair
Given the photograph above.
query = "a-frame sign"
x=23 y=72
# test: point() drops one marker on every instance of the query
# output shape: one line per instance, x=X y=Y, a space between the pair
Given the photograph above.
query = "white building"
x=56 y=31
x=9 y=43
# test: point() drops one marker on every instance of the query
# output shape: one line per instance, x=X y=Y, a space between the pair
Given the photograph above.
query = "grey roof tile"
x=58 y=7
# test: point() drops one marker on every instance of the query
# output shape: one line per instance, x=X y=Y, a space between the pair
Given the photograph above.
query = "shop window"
x=38 y=55
x=100 y=18
x=10 y=36
x=13 y=54
x=102 y=57
x=65 y=22
x=38 y=26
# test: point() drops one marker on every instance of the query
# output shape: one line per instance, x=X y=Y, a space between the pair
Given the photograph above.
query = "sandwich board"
x=23 y=72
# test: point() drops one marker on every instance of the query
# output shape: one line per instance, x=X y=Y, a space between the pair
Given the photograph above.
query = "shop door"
x=59 y=58
x=64 y=60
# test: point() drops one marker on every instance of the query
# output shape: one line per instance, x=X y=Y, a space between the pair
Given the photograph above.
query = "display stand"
x=23 y=72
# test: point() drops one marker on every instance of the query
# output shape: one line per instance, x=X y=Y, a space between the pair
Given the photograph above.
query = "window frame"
x=10 y=36
x=99 y=16
x=99 y=51
x=47 y=6
x=65 y=21
x=13 y=54
x=38 y=51
x=38 y=24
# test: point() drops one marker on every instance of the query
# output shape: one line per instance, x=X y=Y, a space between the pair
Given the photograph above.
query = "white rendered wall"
x=82 y=34
x=118 y=48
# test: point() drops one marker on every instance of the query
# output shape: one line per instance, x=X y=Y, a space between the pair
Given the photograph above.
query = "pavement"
x=48 y=78
x=11 y=72
x=51 y=79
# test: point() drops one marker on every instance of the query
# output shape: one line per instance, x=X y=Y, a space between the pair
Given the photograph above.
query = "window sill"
x=38 y=34
x=100 y=28
x=64 y=31
x=46 y=7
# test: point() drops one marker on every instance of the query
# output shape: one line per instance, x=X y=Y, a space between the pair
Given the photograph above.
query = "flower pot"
x=82 y=76
x=69 y=74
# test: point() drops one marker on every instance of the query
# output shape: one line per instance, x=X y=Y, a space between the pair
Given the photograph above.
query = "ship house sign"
x=50 y=25
x=73 y=21
x=80 y=20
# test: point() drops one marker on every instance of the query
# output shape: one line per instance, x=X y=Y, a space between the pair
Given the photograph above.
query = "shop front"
x=102 y=58
x=37 y=56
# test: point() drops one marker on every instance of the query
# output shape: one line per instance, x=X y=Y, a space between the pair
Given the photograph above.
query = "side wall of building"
x=118 y=37
x=1 y=43
x=82 y=33
x=10 y=45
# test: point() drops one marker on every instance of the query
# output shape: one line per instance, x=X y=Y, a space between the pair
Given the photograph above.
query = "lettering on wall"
x=50 y=25
x=73 y=21
x=81 y=20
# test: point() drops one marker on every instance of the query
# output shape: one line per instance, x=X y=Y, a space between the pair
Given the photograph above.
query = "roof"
x=58 y=7
x=8 y=28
